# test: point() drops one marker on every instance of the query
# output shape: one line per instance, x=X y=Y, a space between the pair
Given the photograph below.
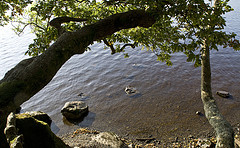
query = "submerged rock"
x=130 y=90
x=223 y=94
x=74 y=110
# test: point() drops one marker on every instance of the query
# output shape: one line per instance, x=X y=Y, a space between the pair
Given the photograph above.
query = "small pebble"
x=190 y=136
x=130 y=90
x=176 y=139
x=198 y=113
x=80 y=95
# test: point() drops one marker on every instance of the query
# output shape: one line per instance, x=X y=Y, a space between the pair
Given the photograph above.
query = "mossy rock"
x=17 y=142
x=37 y=133
x=39 y=115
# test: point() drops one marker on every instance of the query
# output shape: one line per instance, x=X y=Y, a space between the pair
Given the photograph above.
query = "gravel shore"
x=83 y=138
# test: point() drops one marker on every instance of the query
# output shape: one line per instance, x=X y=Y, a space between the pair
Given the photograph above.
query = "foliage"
x=181 y=26
x=9 y=9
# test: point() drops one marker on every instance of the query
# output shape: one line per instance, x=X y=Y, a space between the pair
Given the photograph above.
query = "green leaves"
x=42 y=41
x=10 y=9
x=164 y=57
x=181 y=26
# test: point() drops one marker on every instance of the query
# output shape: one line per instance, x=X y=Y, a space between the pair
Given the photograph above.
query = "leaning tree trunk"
x=224 y=131
x=31 y=75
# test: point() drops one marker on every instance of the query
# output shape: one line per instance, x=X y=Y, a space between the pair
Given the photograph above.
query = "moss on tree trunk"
x=224 y=131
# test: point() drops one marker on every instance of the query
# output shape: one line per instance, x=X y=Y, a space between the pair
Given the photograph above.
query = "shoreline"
x=83 y=138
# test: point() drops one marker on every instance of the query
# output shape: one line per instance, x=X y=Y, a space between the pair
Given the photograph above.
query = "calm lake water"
x=167 y=97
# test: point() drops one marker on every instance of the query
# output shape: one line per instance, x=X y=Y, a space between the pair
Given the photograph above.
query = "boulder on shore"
x=74 y=110
x=86 y=138
x=39 y=115
x=30 y=132
x=109 y=140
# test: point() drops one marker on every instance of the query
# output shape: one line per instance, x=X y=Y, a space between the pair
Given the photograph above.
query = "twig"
x=109 y=45
x=121 y=49
x=124 y=46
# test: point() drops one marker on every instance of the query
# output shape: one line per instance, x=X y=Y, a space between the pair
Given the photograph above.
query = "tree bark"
x=224 y=131
x=31 y=75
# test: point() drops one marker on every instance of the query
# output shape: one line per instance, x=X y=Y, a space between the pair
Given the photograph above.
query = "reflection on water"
x=82 y=122
x=166 y=102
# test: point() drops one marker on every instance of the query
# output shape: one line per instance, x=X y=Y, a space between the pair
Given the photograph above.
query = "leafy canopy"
x=10 y=9
x=181 y=26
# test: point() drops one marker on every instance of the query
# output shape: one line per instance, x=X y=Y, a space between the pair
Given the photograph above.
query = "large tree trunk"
x=31 y=75
x=224 y=131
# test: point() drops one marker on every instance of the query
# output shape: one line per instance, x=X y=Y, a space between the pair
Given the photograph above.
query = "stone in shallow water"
x=198 y=113
x=223 y=94
x=130 y=90
x=74 y=110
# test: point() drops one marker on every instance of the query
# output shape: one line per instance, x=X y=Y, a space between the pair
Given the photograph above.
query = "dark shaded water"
x=167 y=97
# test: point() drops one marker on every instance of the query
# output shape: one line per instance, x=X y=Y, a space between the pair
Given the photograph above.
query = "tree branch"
x=109 y=45
x=56 y=22
x=121 y=49
x=26 y=24
x=131 y=45
x=26 y=79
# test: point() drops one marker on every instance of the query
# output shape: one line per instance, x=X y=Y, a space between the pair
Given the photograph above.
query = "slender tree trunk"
x=224 y=131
